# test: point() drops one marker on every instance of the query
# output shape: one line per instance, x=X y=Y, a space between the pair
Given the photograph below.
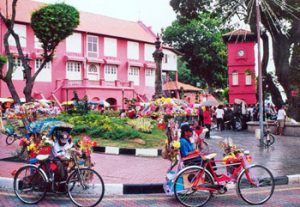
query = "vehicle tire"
x=30 y=184
x=10 y=139
x=268 y=139
x=85 y=183
x=188 y=195
x=255 y=185
x=238 y=124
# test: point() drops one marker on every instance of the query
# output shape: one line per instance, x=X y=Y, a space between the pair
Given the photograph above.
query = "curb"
x=154 y=188
x=129 y=151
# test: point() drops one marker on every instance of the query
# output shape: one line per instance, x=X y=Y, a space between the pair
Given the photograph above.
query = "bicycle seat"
x=42 y=157
x=209 y=156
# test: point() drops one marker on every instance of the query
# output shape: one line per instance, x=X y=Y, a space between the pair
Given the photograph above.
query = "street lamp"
x=158 y=56
x=260 y=88
x=122 y=98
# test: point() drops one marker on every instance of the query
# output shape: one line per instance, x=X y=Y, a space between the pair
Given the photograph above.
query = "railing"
x=100 y=83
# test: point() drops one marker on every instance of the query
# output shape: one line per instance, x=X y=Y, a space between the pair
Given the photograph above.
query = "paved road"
x=284 y=196
x=282 y=158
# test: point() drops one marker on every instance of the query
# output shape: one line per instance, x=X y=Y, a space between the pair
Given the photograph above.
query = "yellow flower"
x=176 y=144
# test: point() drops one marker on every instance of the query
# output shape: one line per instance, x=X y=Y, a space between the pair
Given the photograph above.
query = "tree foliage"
x=185 y=75
x=200 y=41
x=188 y=8
x=51 y=24
x=279 y=18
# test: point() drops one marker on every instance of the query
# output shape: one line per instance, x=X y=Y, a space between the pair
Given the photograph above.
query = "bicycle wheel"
x=268 y=139
x=85 y=187
x=10 y=139
x=255 y=185
x=187 y=186
x=238 y=124
x=30 y=184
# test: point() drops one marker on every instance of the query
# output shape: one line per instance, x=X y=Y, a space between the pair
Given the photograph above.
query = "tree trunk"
x=12 y=90
x=268 y=82
x=28 y=89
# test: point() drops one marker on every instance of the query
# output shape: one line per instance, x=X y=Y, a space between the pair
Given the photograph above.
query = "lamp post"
x=158 y=56
x=260 y=88
x=122 y=98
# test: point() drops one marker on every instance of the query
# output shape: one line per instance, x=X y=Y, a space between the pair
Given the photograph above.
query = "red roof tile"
x=173 y=85
x=239 y=32
x=92 y=23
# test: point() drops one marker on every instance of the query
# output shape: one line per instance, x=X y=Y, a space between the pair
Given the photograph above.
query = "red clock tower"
x=241 y=66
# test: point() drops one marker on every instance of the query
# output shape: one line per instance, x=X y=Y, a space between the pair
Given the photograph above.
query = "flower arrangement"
x=86 y=145
x=24 y=142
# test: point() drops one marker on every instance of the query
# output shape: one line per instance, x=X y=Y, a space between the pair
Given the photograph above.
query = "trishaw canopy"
x=47 y=127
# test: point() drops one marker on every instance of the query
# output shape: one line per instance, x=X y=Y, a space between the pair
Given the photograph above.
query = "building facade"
x=241 y=66
x=105 y=58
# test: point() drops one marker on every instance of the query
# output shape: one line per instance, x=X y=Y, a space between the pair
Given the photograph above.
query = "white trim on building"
x=110 y=47
x=74 y=43
x=110 y=72
x=46 y=73
x=92 y=47
x=73 y=70
x=134 y=74
x=133 y=50
x=19 y=29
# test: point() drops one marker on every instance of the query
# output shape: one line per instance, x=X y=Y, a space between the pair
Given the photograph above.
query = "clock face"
x=241 y=53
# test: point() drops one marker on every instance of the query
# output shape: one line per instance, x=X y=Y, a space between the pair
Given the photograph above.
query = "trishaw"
x=84 y=186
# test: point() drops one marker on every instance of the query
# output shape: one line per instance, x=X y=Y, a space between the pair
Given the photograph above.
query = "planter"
x=289 y=129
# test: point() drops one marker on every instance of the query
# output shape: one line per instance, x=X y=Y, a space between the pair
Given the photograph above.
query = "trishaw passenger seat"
x=42 y=157
x=209 y=156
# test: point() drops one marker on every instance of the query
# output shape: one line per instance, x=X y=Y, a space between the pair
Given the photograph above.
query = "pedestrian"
x=188 y=153
x=200 y=116
x=281 y=116
x=207 y=121
x=220 y=117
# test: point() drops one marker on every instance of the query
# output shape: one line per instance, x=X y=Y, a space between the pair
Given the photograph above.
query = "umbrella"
x=6 y=100
x=67 y=103
x=104 y=103
x=44 y=101
x=209 y=103
x=93 y=102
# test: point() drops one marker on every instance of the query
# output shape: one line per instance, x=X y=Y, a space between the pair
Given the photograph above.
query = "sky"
x=154 y=13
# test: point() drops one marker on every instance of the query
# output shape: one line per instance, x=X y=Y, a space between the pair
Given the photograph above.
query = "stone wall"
x=289 y=130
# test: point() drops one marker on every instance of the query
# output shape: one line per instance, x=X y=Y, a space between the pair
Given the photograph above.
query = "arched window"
x=93 y=72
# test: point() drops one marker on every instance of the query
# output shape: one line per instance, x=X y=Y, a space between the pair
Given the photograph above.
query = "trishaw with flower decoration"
x=84 y=186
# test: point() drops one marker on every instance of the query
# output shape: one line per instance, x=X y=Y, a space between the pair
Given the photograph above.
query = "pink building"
x=241 y=66
x=105 y=59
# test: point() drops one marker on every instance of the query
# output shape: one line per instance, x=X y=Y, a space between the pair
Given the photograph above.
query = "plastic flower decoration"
x=176 y=144
x=24 y=142
x=86 y=145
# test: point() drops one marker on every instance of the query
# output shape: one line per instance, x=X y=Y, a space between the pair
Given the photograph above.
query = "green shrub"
x=111 y=113
x=96 y=132
x=79 y=129
x=121 y=134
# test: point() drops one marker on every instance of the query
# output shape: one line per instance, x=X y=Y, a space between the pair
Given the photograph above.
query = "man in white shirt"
x=62 y=143
x=220 y=117
x=281 y=116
